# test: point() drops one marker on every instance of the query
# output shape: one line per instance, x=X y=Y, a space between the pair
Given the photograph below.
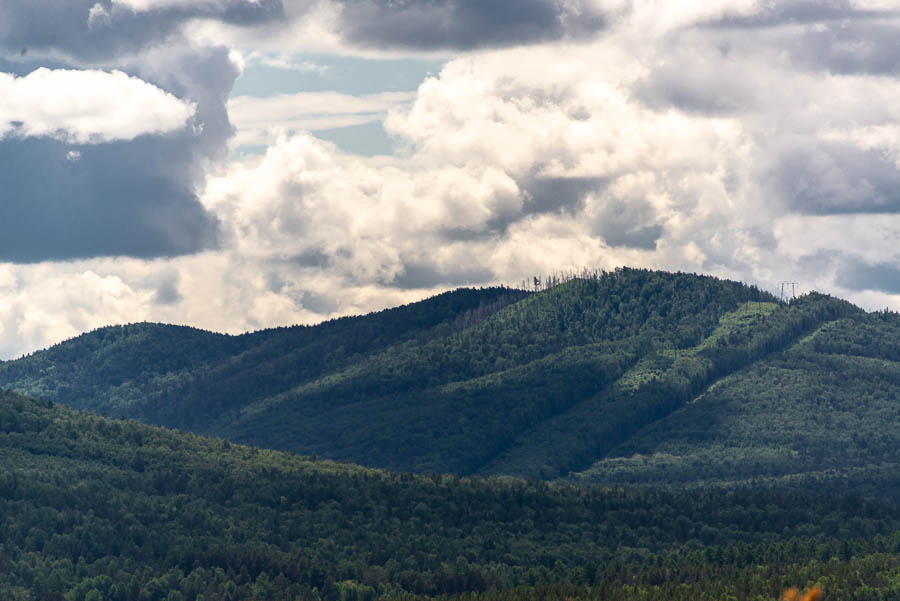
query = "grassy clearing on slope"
x=734 y=323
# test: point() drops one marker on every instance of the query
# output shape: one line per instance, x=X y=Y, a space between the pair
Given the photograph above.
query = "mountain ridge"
x=546 y=384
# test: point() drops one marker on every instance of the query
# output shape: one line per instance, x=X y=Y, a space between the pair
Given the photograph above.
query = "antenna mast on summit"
x=793 y=289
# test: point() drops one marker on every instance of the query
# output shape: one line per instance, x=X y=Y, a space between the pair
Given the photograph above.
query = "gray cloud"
x=629 y=223
x=204 y=76
x=855 y=274
x=705 y=87
x=421 y=274
x=540 y=195
x=134 y=198
x=825 y=178
x=322 y=304
x=867 y=46
x=63 y=25
x=554 y=194
x=787 y=12
x=167 y=292
x=124 y=198
x=311 y=257
x=829 y=35
x=465 y=24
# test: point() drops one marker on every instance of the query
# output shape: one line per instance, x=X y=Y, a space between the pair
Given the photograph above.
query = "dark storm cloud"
x=820 y=178
x=858 y=275
x=63 y=25
x=465 y=24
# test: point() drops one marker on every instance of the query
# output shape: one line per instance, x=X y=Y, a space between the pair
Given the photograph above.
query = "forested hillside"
x=179 y=374
x=826 y=409
x=632 y=376
x=99 y=509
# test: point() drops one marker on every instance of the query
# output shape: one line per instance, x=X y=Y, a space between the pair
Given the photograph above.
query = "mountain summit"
x=632 y=376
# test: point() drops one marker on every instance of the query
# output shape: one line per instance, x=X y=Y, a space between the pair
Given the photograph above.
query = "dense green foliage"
x=629 y=377
x=92 y=508
x=453 y=384
x=826 y=409
x=758 y=442
x=183 y=376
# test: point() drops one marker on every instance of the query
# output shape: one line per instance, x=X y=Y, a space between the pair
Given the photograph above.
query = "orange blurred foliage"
x=792 y=594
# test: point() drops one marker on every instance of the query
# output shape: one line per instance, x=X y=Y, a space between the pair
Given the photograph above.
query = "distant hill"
x=99 y=509
x=634 y=376
x=183 y=376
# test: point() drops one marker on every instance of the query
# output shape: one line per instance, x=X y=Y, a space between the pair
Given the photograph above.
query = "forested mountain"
x=182 y=375
x=632 y=376
x=825 y=409
x=98 y=509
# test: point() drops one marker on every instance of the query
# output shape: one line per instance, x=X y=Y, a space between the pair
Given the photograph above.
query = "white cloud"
x=259 y=119
x=655 y=17
x=872 y=238
x=87 y=106
x=43 y=304
x=98 y=16
x=285 y=61
x=678 y=182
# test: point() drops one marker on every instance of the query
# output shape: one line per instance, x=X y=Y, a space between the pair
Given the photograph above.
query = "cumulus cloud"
x=134 y=197
x=501 y=150
x=87 y=106
x=539 y=158
x=748 y=140
x=113 y=169
x=46 y=303
x=144 y=108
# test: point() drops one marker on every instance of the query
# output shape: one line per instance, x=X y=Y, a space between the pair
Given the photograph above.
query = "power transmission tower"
x=793 y=290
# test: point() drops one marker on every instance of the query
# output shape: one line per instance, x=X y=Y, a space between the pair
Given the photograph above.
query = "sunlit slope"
x=661 y=383
x=454 y=403
x=634 y=375
x=828 y=407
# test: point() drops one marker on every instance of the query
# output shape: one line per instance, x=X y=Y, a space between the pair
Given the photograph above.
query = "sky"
x=241 y=164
